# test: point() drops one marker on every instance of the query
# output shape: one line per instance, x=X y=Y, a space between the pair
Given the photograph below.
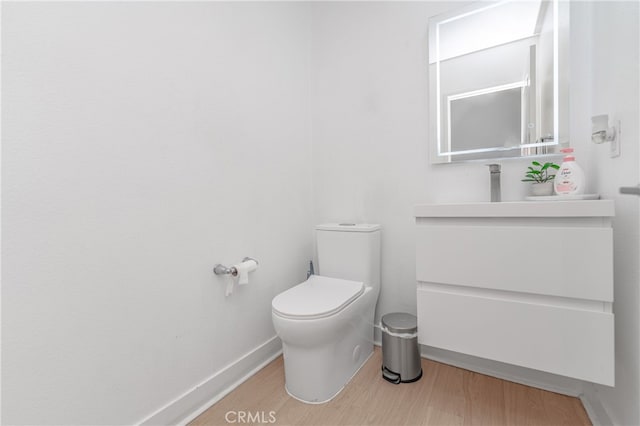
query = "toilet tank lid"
x=348 y=227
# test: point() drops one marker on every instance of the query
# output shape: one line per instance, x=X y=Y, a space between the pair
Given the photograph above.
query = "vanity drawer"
x=570 y=340
x=574 y=262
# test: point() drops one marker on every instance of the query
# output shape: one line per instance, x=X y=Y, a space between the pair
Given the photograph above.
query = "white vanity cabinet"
x=525 y=283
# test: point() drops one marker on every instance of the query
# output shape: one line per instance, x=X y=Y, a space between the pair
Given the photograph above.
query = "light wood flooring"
x=445 y=395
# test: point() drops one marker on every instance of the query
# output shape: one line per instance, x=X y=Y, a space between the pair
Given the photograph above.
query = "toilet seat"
x=318 y=297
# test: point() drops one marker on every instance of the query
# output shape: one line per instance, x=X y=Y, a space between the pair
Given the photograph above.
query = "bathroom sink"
x=582 y=208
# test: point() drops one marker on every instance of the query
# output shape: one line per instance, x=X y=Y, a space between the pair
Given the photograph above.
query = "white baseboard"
x=594 y=408
x=195 y=401
x=511 y=373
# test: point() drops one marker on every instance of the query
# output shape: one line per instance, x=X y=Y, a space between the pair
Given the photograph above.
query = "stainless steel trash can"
x=400 y=354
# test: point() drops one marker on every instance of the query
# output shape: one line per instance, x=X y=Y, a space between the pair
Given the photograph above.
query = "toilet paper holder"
x=220 y=269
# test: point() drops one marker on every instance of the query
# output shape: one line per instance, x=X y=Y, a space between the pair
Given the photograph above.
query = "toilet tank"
x=349 y=251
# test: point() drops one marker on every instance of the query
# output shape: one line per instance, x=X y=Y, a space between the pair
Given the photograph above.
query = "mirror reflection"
x=496 y=80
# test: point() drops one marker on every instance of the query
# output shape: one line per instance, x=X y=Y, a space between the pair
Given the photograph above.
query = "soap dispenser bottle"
x=570 y=178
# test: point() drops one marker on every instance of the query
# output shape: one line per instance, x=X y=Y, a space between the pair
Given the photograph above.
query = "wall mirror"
x=498 y=80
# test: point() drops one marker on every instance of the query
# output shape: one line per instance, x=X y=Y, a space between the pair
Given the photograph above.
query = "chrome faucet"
x=494 y=172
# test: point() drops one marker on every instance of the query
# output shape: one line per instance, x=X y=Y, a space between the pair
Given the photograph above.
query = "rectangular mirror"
x=498 y=80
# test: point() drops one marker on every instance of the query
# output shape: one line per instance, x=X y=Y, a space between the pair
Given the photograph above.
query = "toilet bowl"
x=326 y=322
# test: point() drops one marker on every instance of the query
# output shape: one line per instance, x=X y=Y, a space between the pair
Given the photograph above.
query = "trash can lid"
x=400 y=322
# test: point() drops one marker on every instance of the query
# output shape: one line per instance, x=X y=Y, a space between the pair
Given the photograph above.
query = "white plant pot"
x=541 y=189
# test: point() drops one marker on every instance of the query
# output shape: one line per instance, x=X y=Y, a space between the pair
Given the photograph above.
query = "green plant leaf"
x=528 y=180
x=535 y=163
x=535 y=172
x=546 y=166
x=555 y=166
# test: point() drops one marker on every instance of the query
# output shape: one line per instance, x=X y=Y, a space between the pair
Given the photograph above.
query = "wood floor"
x=445 y=395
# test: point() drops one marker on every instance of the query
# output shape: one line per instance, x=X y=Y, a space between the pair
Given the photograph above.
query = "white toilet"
x=326 y=322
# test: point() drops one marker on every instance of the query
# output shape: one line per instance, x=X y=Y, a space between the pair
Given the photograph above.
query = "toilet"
x=326 y=322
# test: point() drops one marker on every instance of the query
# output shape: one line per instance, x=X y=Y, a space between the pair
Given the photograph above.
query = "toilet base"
x=322 y=355
x=334 y=395
x=316 y=375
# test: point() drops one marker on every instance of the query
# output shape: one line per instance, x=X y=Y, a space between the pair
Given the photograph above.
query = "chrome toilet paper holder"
x=220 y=269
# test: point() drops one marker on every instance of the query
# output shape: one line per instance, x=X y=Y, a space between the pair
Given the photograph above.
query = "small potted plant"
x=540 y=178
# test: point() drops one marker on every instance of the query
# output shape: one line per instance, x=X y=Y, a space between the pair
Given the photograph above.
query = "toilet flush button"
x=356 y=353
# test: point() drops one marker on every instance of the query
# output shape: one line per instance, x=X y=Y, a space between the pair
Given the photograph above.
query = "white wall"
x=614 y=59
x=142 y=144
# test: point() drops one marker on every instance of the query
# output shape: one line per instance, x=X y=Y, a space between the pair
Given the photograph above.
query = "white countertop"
x=583 y=208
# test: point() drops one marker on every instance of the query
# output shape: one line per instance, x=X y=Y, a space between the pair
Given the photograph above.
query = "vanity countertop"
x=582 y=208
